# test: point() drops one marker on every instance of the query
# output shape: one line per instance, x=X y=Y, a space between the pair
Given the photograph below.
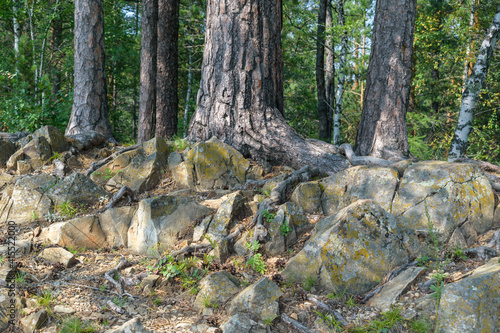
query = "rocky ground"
x=234 y=279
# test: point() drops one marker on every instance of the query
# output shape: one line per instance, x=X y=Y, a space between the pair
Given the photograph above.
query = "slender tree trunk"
x=136 y=81
x=56 y=41
x=90 y=105
x=471 y=93
x=382 y=128
x=329 y=68
x=190 y=83
x=147 y=94
x=467 y=53
x=339 y=92
x=241 y=89
x=324 y=134
x=166 y=80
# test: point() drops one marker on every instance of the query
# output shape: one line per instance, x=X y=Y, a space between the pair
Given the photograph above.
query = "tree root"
x=97 y=164
x=122 y=192
x=109 y=275
x=362 y=160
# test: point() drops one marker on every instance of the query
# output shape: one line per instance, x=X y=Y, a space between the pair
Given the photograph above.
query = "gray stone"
x=259 y=299
x=22 y=247
x=240 y=323
x=182 y=171
x=131 y=326
x=64 y=309
x=392 y=289
x=472 y=304
x=80 y=232
x=150 y=280
x=54 y=136
x=34 y=321
x=12 y=161
x=216 y=289
x=115 y=223
x=162 y=220
x=76 y=188
x=223 y=220
x=200 y=229
x=7 y=148
x=496 y=217
x=58 y=255
x=352 y=251
x=308 y=197
x=86 y=140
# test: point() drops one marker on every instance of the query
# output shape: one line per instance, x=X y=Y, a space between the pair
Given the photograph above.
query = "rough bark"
x=382 y=128
x=241 y=90
x=471 y=93
x=166 y=79
x=329 y=68
x=339 y=92
x=189 y=88
x=90 y=103
x=324 y=133
x=147 y=81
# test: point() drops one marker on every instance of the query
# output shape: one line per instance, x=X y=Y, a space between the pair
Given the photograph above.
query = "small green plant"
x=20 y=277
x=330 y=321
x=253 y=246
x=55 y=157
x=285 y=229
x=102 y=288
x=2 y=259
x=309 y=283
x=266 y=192
x=108 y=174
x=423 y=260
x=34 y=216
x=257 y=263
x=209 y=302
x=420 y=326
x=119 y=301
x=351 y=302
x=68 y=210
x=268 y=321
x=180 y=143
x=45 y=299
x=76 y=325
x=268 y=215
x=212 y=242
x=457 y=254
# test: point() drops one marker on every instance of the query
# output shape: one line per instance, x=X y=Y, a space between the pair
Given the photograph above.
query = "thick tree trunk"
x=339 y=92
x=241 y=90
x=147 y=81
x=324 y=133
x=471 y=93
x=166 y=79
x=90 y=104
x=382 y=128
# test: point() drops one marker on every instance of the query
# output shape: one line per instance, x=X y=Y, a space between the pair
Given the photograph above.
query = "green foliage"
x=186 y=270
x=180 y=143
x=76 y=325
x=285 y=228
x=119 y=301
x=309 y=283
x=269 y=217
x=253 y=246
x=20 y=277
x=45 y=299
x=108 y=174
x=68 y=210
x=257 y=264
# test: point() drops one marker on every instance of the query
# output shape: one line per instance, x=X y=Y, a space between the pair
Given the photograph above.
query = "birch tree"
x=471 y=93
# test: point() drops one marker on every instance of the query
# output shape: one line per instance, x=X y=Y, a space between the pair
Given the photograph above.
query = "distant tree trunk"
x=382 y=128
x=166 y=80
x=136 y=80
x=467 y=66
x=56 y=41
x=190 y=84
x=241 y=90
x=339 y=92
x=324 y=134
x=329 y=68
x=17 y=33
x=90 y=104
x=471 y=93
x=147 y=83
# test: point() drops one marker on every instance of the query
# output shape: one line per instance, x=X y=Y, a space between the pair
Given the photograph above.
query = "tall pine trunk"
x=324 y=133
x=471 y=93
x=240 y=100
x=339 y=92
x=329 y=67
x=147 y=81
x=382 y=128
x=166 y=79
x=90 y=104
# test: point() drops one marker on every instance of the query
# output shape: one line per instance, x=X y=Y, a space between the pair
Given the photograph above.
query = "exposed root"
x=109 y=275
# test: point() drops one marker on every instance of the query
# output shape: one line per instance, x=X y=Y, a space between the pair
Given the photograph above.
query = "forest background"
x=36 y=84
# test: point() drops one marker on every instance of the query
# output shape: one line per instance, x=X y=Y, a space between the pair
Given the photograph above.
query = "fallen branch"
x=294 y=323
x=338 y=317
x=97 y=164
x=123 y=191
x=109 y=275
x=362 y=160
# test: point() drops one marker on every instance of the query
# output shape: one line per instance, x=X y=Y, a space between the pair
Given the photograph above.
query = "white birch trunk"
x=471 y=23
x=471 y=93
x=341 y=81
x=17 y=33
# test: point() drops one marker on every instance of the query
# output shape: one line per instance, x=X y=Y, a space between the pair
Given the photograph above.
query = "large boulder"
x=54 y=136
x=285 y=228
x=86 y=140
x=76 y=188
x=472 y=304
x=224 y=219
x=457 y=197
x=27 y=200
x=308 y=196
x=159 y=221
x=351 y=251
x=115 y=223
x=362 y=182
x=144 y=170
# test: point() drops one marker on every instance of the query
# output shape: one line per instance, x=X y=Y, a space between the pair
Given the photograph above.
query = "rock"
x=472 y=304
x=80 y=232
x=361 y=182
x=28 y=200
x=221 y=251
x=58 y=255
x=182 y=172
x=216 y=289
x=150 y=280
x=14 y=158
x=458 y=195
x=162 y=220
x=115 y=223
x=86 y=140
x=223 y=220
x=288 y=225
x=22 y=247
x=76 y=188
x=200 y=229
x=34 y=321
x=496 y=217
x=144 y=171
x=54 y=136
x=64 y=309
x=6 y=309
x=392 y=289
x=23 y=168
x=109 y=170
x=308 y=197
x=242 y=323
x=7 y=148
x=260 y=299
x=37 y=152
x=352 y=251
x=217 y=165
x=131 y=326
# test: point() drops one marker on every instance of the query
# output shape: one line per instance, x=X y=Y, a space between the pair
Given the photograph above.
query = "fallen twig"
x=294 y=323
x=122 y=192
x=338 y=317
x=109 y=275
